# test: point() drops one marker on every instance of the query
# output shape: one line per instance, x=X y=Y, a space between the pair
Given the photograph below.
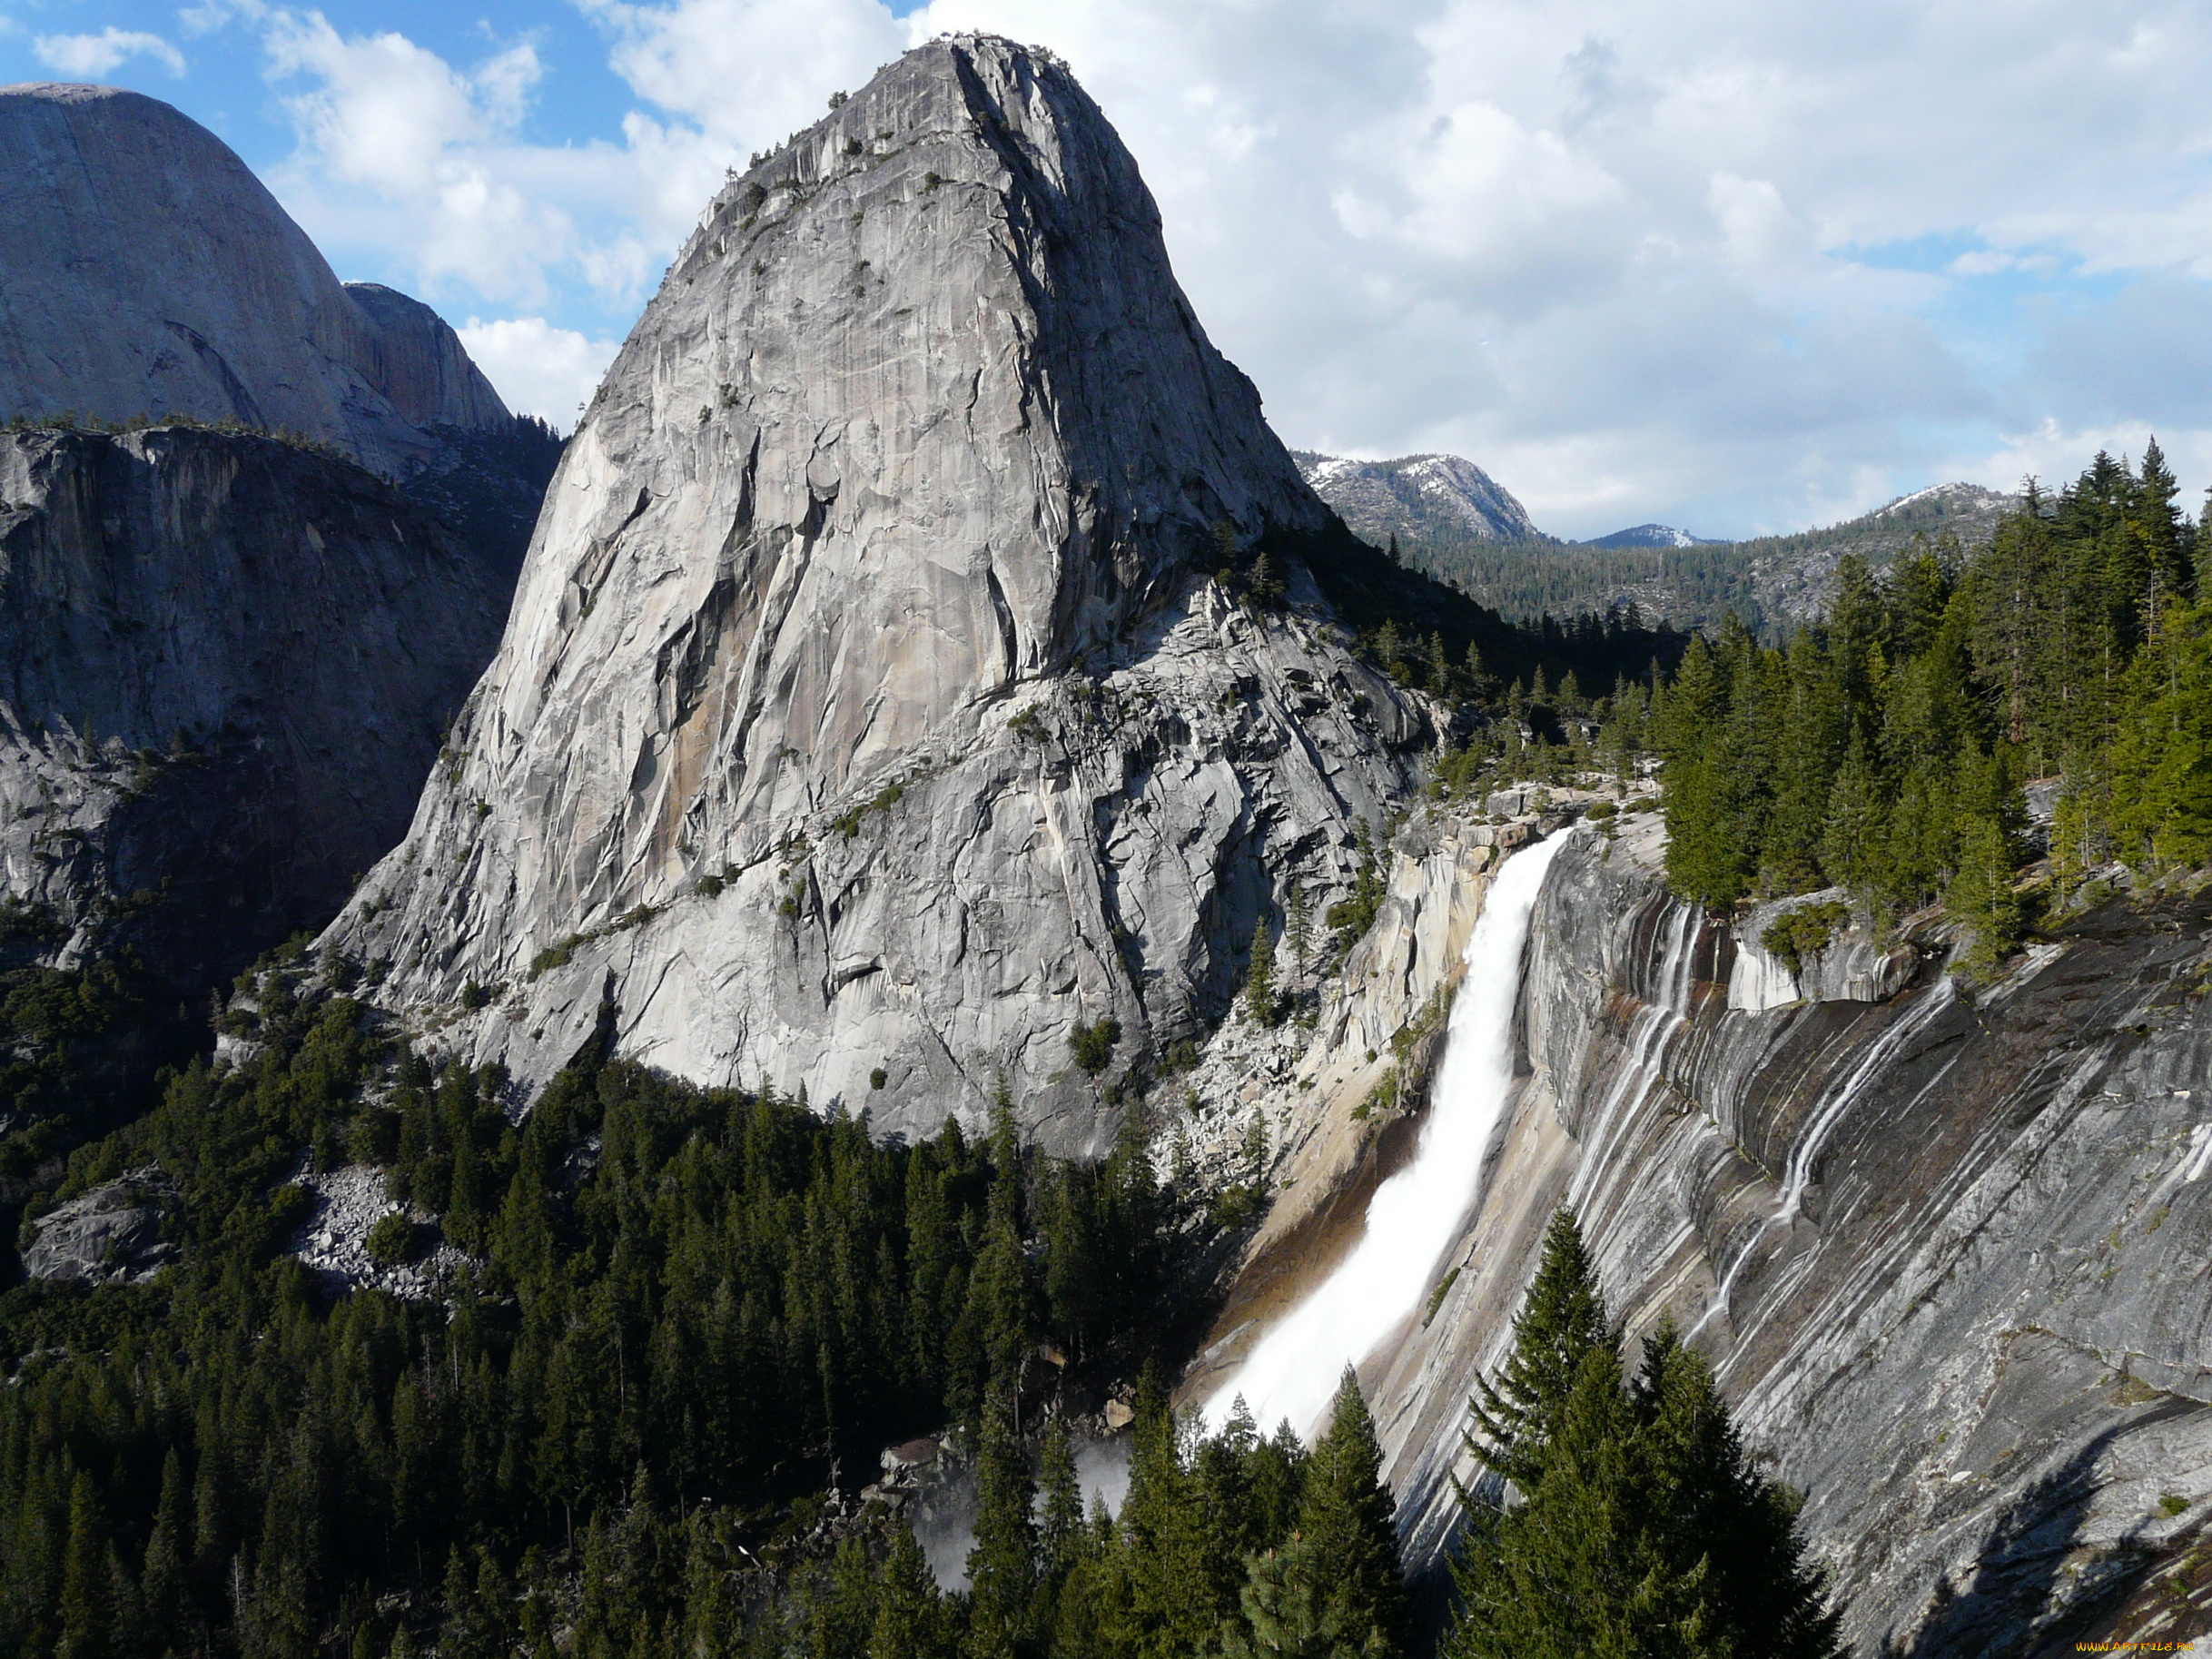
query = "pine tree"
x=1221 y=1474
x=1853 y=839
x=2162 y=753
x=909 y=1616
x=86 y=1611
x=1061 y=1524
x=1266 y=586
x=1259 y=978
x=1636 y=1524
x=1981 y=896
x=1475 y=677
x=1561 y=1322
x=1564 y=1573
x=2166 y=574
x=1159 y=1537
x=1390 y=646
x=1002 y=1566
x=161 y=1575
x=1349 y=1520
x=839 y=1607
x=1727 y=1529
x=1280 y=1615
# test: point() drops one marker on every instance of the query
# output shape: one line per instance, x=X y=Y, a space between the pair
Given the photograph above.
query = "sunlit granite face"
x=867 y=704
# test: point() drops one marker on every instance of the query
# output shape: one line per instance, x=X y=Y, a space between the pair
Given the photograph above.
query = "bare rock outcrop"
x=420 y=365
x=870 y=714
x=146 y=272
x=109 y=1235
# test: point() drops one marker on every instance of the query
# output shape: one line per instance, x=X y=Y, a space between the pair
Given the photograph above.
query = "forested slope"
x=1885 y=751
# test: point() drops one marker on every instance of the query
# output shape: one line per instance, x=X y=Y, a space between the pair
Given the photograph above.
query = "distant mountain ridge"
x=1418 y=498
x=1453 y=521
x=1791 y=575
x=1652 y=536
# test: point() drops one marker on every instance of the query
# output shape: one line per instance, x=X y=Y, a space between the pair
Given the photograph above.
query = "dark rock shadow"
x=2030 y=1582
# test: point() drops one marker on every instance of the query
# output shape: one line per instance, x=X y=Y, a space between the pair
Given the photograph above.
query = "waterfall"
x=1413 y=1217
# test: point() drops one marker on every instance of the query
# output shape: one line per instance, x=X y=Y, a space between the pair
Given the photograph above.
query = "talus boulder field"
x=870 y=714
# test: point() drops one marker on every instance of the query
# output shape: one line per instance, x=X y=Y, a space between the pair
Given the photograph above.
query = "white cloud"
x=1706 y=239
x=750 y=70
x=89 y=56
x=538 y=368
x=209 y=15
x=1714 y=262
x=397 y=146
x=407 y=160
x=2055 y=453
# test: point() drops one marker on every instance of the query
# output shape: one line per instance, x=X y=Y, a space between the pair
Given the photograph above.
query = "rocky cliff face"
x=868 y=715
x=1943 y=1242
x=146 y=272
x=225 y=664
x=418 y=362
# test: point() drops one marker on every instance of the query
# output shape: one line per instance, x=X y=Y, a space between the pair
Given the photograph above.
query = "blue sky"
x=1729 y=265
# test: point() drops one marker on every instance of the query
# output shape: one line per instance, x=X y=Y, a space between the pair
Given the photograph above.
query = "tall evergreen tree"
x=1981 y=895
x=162 y=1578
x=2162 y=753
x=1728 y=1531
x=1060 y=1531
x=1160 y=1536
x=1259 y=977
x=1621 y=1521
x=909 y=1616
x=1349 y=1520
x=87 y=1621
x=1511 y=1418
x=1567 y=1571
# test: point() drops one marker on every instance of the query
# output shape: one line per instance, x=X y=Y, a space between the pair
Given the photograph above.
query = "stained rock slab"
x=225 y=664
x=1944 y=1249
x=869 y=703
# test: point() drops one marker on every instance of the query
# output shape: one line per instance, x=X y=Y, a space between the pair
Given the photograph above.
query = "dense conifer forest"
x=1885 y=752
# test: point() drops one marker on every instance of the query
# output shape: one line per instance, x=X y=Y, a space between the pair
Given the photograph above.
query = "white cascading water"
x=1413 y=1216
